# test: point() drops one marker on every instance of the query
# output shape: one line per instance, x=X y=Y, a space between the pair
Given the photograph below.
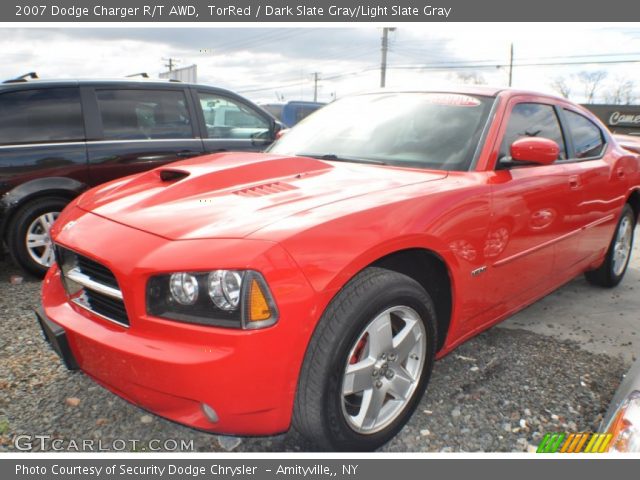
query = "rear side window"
x=532 y=120
x=587 y=137
x=144 y=114
x=41 y=116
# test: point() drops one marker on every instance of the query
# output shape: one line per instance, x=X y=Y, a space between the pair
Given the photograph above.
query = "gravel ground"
x=499 y=392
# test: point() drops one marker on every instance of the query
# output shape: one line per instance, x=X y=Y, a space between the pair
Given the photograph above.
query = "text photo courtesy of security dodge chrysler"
x=314 y=285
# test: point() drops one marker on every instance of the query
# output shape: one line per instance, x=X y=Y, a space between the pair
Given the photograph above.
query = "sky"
x=272 y=64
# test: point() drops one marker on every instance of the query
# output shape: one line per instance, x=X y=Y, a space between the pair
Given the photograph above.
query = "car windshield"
x=429 y=130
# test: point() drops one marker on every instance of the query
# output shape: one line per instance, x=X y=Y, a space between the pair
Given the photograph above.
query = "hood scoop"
x=169 y=175
x=265 y=189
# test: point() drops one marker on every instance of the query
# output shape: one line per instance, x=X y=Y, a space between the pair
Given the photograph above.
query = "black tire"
x=318 y=411
x=19 y=225
x=605 y=275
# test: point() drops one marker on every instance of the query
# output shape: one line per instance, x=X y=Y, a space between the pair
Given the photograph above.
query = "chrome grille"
x=92 y=286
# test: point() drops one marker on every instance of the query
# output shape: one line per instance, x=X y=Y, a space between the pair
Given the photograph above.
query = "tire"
x=26 y=220
x=341 y=341
x=612 y=271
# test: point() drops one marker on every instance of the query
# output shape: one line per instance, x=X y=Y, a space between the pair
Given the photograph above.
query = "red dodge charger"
x=314 y=285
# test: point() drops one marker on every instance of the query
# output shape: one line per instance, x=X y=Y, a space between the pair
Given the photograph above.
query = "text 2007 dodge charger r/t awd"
x=314 y=285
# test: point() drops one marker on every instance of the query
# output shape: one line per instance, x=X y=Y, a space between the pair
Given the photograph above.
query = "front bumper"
x=174 y=369
x=56 y=337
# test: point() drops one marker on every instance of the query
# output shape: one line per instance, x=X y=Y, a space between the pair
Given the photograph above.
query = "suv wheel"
x=28 y=237
x=368 y=362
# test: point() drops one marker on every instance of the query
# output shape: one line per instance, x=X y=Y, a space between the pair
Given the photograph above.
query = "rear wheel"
x=611 y=272
x=368 y=363
x=28 y=237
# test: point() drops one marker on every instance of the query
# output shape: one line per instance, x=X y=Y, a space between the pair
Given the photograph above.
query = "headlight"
x=625 y=426
x=184 y=288
x=226 y=298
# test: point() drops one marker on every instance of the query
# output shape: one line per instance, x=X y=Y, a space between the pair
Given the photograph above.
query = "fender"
x=423 y=242
x=417 y=241
x=15 y=198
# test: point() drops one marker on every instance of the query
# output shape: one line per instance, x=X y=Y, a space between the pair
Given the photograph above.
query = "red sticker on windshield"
x=454 y=99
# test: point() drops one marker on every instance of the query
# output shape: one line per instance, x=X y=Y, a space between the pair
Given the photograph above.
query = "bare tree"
x=470 y=78
x=591 y=82
x=621 y=92
x=560 y=85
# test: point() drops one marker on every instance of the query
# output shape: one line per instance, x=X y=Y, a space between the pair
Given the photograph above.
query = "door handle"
x=574 y=182
x=186 y=154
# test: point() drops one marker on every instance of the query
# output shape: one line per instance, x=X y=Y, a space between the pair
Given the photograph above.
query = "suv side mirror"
x=541 y=151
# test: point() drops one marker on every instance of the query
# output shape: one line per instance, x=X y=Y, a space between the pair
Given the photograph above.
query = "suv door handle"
x=186 y=154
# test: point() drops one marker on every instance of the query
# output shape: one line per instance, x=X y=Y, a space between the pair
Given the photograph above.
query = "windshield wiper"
x=335 y=158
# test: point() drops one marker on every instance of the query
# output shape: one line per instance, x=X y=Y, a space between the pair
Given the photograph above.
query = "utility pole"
x=511 y=66
x=315 y=86
x=171 y=62
x=384 y=48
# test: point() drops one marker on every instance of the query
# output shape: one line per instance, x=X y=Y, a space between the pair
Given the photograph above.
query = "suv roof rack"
x=23 y=78
x=141 y=74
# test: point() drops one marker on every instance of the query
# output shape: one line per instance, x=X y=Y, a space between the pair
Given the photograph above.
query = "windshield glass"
x=429 y=130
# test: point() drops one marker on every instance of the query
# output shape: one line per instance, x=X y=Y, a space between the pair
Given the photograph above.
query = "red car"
x=314 y=285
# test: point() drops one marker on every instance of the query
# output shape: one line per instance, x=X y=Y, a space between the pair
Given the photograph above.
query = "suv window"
x=532 y=120
x=226 y=118
x=41 y=116
x=144 y=114
x=587 y=137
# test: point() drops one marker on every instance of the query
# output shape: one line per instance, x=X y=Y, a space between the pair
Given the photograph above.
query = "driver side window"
x=532 y=120
x=228 y=119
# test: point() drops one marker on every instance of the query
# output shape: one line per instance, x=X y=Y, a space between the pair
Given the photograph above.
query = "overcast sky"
x=264 y=63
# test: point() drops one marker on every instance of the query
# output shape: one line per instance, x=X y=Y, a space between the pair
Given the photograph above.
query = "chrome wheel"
x=622 y=245
x=383 y=369
x=38 y=241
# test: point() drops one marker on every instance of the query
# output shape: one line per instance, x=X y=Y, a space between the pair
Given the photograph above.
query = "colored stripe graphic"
x=574 y=443
x=551 y=442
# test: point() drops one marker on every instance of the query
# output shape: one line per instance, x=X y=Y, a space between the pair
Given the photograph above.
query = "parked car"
x=292 y=112
x=314 y=285
x=57 y=138
x=622 y=420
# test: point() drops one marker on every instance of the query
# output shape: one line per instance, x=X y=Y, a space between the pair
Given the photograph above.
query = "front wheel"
x=368 y=362
x=611 y=272
x=28 y=236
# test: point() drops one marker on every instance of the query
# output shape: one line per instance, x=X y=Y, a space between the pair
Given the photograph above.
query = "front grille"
x=92 y=286
x=97 y=272
x=106 y=306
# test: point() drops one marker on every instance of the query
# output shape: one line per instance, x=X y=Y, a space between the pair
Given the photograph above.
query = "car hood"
x=232 y=195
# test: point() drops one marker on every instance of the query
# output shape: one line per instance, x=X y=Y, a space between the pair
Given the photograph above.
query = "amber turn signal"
x=258 y=306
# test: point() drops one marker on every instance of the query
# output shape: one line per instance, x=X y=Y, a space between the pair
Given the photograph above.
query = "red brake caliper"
x=357 y=352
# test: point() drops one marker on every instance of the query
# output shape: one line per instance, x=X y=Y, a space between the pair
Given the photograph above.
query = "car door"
x=602 y=186
x=531 y=208
x=136 y=128
x=231 y=124
x=42 y=136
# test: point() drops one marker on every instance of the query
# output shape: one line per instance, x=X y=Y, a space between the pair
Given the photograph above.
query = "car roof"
x=46 y=82
x=481 y=90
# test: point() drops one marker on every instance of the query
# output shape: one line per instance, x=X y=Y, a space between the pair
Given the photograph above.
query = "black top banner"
x=319 y=11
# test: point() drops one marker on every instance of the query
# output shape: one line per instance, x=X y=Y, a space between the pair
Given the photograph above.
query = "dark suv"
x=57 y=138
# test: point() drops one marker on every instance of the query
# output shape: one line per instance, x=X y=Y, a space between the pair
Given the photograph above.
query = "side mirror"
x=278 y=127
x=541 y=151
